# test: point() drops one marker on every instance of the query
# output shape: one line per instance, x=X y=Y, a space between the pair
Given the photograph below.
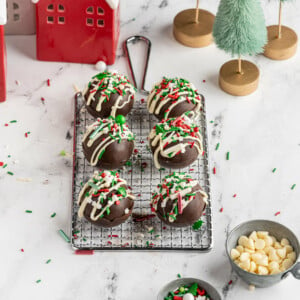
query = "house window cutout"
x=90 y=10
x=61 y=8
x=16 y=17
x=15 y=5
x=89 y=22
x=100 y=23
x=50 y=20
x=100 y=11
x=50 y=7
x=61 y=20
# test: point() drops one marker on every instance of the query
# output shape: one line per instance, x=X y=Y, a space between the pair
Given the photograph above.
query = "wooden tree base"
x=189 y=33
x=238 y=84
x=283 y=47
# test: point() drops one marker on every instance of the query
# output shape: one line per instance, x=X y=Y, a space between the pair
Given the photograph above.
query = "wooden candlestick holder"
x=283 y=47
x=239 y=84
x=194 y=31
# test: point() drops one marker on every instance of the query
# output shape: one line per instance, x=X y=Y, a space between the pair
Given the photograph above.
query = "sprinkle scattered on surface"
x=28 y=211
x=227 y=155
x=203 y=80
x=211 y=121
x=10 y=173
x=217 y=146
x=22 y=250
x=234 y=196
x=277 y=213
x=64 y=236
x=293 y=186
x=48 y=261
x=1 y=163
x=48 y=82
x=38 y=281
x=26 y=134
x=53 y=215
x=214 y=170
x=13 y=121
x=178 y=275
x=63 y=153
x=274 y=170
x=230 y=282
x=221 y=209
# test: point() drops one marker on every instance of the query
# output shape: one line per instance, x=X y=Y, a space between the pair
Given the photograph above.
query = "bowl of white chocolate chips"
x=263 y=252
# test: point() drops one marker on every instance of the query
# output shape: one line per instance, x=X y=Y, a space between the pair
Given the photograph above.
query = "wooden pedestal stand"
x=282 y=41
x=239 y=78
x=193 y=27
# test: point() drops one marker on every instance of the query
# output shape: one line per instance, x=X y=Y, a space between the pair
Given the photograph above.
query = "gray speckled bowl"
x=175 y=284
x=278 y=231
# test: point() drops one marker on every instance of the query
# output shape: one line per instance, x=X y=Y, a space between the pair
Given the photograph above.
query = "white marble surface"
x=261 y=132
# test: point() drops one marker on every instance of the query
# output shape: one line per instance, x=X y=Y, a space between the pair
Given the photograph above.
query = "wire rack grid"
x=142 y=177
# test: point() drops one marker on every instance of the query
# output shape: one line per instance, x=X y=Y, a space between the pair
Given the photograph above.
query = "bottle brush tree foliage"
x=239 y=27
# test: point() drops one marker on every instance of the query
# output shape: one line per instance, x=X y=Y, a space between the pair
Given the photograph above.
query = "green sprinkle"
x=28 y=211
x=227 y=155
x=13 y=121
x=84 y=239
x=217 y=146
x=4 y=166
x=64 y=236
x=197 y=225
x=10 y=173
x=76 y=231
x=178 y=275
x=48 y=261
x=101 y=154
x=293 y=186
x=38 y=281
x=211 y=122
x=62 y=153
x=53 y=215
x=274 y=170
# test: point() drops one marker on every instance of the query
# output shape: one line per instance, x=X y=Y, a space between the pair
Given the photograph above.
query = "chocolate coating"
x=107 y=144
x=105 y=200
x=109 y=94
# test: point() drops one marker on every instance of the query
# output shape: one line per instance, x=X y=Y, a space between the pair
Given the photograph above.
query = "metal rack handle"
x=134 y=39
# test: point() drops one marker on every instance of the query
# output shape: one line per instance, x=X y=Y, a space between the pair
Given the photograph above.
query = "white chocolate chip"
x=277 y=245
x=243 y=241
x=269 y=241
x=240 y=248
x=256 y=257
x=281 y=252
x=273 y=265
x=251 y=287
x=252 y=267
x=288 y=248
x=287 y=263
x=245 y=265
x=275 y=271
x=264 y=261
x=284 y=242
x=253 y=236
x=250 y=244
x=262 y=270
x=260 y=244
x=249 y=250
x=234 y=254
x=262 y=234
x=244 y=256
x=292 y=256
x=273 y=255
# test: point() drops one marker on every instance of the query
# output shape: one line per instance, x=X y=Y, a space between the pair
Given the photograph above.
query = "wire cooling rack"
x=142 y=177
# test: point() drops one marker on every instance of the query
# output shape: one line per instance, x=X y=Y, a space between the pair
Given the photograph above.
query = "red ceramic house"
x=81 y=31
x=2 y=51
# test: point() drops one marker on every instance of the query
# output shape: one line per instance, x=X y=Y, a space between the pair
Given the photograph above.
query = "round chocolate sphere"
x=105 y=200
x=108 y=144
x=173 y=98
x=175 y=143
x=179 y=200
x=109 y=94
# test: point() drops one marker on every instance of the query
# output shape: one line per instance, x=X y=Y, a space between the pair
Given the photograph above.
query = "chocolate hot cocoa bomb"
x=174 y=97
x=108 y=143
x=105 y=200
x=179 y=200
x=175 y=143
x=109 y=94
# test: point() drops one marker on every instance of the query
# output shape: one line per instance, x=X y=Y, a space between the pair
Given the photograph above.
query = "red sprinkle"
x=221 y=209
x=84 y=252
x=118 y=202
x=177 y=298
x=48 y=82
x=113 y=235
x=43 y=99
x=136 y=151
x=109 y=242
x=6 y=124
x=1 y=163
x=203 y=80
x=22 y=250
x=142 y=100
x=26 y=134
x=230 y=282
x=277 y=213
x=214 y=170
x=234 y=196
